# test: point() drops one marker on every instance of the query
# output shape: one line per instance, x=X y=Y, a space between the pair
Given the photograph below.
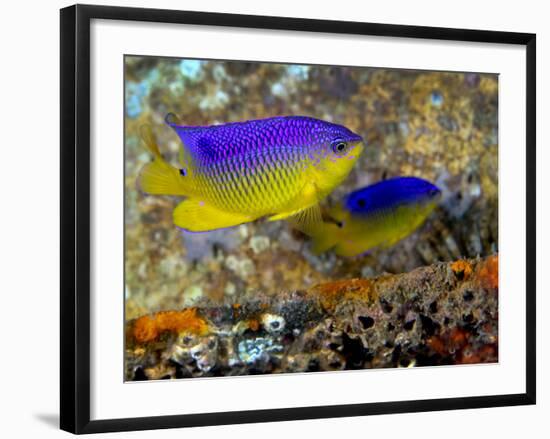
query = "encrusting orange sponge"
x=148 y=328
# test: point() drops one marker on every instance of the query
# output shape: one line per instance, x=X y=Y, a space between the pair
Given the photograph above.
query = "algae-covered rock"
x=443 y=314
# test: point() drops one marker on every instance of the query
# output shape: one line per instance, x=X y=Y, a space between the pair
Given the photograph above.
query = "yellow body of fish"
x=351 y=235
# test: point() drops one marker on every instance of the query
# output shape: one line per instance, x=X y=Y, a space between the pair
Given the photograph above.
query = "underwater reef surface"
x=442 y=314
x=255 y=298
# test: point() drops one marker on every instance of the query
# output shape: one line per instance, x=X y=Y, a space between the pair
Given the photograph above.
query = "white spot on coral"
x=273 y=323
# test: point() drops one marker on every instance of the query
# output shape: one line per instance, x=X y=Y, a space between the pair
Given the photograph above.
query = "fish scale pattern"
x=253 y=165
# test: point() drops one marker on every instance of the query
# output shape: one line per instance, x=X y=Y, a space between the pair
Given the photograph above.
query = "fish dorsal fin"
x=198 y=143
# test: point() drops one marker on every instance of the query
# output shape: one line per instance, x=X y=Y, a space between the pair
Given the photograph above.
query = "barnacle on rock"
x=273 y=323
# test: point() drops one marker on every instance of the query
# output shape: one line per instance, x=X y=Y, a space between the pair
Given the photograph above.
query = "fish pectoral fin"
x=306 y=220
x=299 y=215
x=310 y=219
x=199 y=216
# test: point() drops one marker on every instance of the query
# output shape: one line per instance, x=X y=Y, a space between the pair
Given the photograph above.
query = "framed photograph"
x=269 y=219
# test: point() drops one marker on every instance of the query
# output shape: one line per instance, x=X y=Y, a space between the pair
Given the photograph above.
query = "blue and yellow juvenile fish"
x=234 y=173
x=378 y=215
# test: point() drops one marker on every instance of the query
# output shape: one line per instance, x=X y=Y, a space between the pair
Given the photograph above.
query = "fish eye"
x=339 y=146
x=182 y=172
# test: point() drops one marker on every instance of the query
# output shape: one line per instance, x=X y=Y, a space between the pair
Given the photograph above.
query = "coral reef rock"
x=442 y=314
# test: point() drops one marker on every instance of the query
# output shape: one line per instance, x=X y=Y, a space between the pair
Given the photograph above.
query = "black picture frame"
x=75 y=217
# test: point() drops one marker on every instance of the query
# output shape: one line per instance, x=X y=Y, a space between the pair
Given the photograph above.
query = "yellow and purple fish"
x=376 y=216
x=280 y=167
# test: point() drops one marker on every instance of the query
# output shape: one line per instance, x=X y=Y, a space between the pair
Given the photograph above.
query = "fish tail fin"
x=159 y=177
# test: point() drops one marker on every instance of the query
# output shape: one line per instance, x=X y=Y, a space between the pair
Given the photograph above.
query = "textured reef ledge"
x=442 y=314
